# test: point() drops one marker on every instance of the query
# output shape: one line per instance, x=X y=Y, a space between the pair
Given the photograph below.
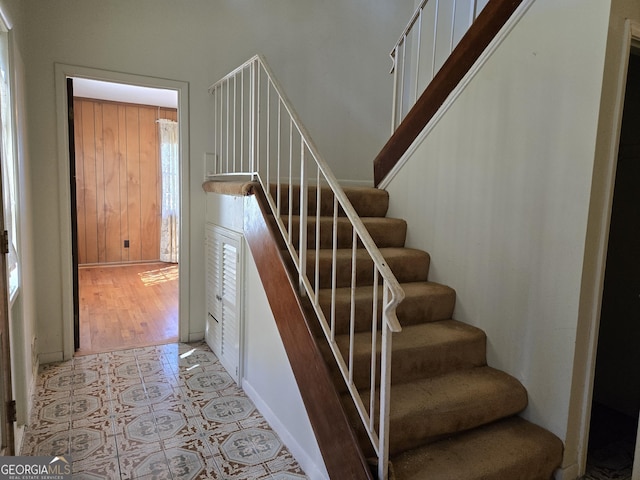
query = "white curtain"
x=170 y=191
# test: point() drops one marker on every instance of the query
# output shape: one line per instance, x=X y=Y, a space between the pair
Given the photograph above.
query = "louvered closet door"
x=214 y=306
x=224 y=296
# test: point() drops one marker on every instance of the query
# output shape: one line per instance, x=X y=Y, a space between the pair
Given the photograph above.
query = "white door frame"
x=576 y=443
x=62 y=72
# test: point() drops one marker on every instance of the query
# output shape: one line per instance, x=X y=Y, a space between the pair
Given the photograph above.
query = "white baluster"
x=302 y=252
x=334 y=254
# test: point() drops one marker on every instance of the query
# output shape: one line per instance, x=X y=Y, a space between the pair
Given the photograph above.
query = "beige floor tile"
x=167 y=411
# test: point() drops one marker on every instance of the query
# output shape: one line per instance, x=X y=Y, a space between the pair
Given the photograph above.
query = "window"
x=9 y=170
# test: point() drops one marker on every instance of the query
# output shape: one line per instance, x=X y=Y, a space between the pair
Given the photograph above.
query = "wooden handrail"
x=336 y=439
x=489 y=22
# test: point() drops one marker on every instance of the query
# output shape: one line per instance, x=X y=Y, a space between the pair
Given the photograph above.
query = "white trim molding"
x=602 y=190
x=62 y=72
x=300 y=454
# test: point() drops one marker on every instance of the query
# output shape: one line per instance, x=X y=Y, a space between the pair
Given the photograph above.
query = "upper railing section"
x=257 y=132
x=431 y=58
x=432 y=33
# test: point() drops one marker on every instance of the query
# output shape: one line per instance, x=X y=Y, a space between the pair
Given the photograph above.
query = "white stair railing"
x=257 y=132
x=433 y=32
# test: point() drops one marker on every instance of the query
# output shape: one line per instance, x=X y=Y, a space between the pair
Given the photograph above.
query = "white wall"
x=330 y=56
x=498 y=193
x=22 y=311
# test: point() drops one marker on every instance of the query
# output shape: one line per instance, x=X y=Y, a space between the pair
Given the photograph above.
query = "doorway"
x=63 y=72
x=124 y=179
x=616 y=392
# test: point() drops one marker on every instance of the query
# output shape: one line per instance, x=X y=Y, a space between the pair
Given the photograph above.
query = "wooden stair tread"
x=385 y=231
x=435 y=335
x=366 y=201
x=423 y=302
x=419 y=351
x=450 y=403
x=408 y=264
x=508 y=449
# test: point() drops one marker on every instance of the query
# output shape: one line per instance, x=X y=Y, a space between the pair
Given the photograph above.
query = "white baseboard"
x=308 y=465
x=52 y=357
x=33 y=388
x=18 y=437
x=571 y=472
x=31 y=394
x=196 y=337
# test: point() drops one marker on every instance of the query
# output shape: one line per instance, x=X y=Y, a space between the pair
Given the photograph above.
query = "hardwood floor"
x=127 y=306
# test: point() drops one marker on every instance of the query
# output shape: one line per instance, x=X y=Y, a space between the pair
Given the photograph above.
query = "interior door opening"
x=616 y=393
x=124 y=165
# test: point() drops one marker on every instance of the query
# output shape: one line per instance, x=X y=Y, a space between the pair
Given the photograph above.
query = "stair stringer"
x=336 y=439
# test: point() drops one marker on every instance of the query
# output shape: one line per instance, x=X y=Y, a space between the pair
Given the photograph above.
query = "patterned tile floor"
x=165 y=412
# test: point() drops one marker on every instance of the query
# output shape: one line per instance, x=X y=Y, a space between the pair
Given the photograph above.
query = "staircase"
x=382 y=366
x=452 y=416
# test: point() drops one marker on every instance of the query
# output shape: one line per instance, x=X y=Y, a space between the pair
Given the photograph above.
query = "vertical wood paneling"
x=100 y=197
x=111 y=184
x=149 y=187
x=133 y=181
x=89 y=190
x=118 y=181
x=80 y=204
x=122 y=163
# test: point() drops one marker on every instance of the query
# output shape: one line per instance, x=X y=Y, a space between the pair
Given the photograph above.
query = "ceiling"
x=118 y=92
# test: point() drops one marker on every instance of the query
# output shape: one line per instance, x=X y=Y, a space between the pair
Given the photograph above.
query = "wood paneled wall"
x=118 y=180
